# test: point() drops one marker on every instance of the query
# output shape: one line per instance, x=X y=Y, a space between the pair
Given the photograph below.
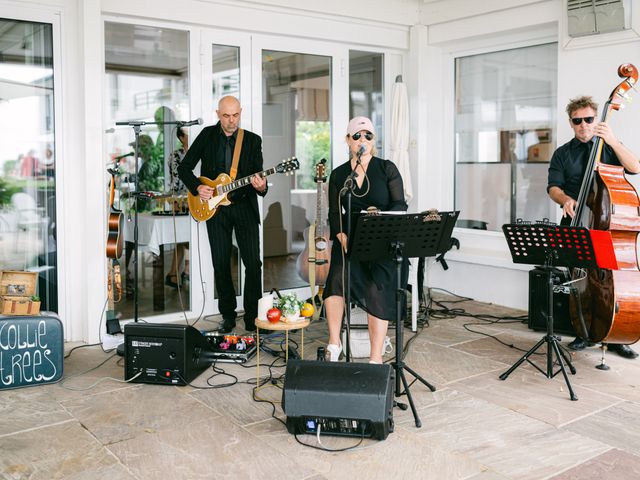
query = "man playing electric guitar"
x=220 y=151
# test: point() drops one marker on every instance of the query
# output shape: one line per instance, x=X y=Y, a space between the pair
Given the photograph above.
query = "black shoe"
x=228 y=324
x=170 y=283
x=625 y=351
x=579 y=344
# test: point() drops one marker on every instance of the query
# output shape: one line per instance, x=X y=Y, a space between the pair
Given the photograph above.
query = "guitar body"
x=319 y=247
x=322 y=258
x=114 y=237
x=201 y=210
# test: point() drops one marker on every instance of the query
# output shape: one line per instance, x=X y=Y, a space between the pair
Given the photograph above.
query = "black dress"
x=372 y=283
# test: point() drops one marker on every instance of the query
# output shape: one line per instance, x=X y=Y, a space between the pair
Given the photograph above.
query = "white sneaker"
x=334 y=352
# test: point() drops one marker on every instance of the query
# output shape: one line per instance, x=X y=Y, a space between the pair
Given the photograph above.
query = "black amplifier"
x=164 y=354
x=538 y=304
x=347 y=399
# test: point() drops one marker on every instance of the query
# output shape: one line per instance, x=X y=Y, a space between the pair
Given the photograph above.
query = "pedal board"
x=231 y=348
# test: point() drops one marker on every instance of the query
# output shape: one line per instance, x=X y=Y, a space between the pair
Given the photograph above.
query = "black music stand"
x=549 y=245
x=397 y=236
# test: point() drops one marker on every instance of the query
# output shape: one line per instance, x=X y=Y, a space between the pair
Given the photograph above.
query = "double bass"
x=605 y=304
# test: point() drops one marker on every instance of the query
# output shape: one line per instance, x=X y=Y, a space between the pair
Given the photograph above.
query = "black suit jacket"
x=205 y=148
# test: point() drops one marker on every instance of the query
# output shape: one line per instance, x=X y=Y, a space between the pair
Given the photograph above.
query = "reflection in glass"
x=147 y=79
x=505 y=111
x=296 y=120
x=365 y=91
x=28 y=155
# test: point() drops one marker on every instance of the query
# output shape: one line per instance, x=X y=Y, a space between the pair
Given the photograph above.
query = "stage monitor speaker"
x=538 y=285
x=348 y=399
x=165 y=354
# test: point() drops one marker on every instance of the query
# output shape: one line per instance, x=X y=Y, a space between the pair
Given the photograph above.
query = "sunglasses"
x=369 y=136
x=578 y=120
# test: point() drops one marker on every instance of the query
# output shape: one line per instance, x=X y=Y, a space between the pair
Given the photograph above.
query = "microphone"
x=361 y=150
x=119 y=157
x=197 y=121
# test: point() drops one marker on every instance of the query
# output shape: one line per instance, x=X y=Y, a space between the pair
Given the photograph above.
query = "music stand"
x=549 y=245
x=397 y=236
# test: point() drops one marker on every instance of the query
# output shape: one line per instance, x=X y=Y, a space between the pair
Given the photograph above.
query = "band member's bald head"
x=229 y=111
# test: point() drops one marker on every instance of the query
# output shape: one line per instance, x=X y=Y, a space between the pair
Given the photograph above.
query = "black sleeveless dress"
x=373 y=284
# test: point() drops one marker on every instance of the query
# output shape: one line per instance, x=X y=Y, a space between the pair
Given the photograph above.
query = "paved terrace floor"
x=474 y=426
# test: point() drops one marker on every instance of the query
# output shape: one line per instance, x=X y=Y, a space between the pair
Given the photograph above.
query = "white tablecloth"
x=155 y=230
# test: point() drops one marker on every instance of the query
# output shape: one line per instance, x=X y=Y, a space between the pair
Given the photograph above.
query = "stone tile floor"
x=474 y=426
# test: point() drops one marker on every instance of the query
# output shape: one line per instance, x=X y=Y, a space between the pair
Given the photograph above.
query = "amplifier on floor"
x=349 y=399
x=538 y=278
x=164 y=354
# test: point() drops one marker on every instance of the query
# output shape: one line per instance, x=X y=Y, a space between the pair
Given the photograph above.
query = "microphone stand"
x=136 y=194
x=347 y=192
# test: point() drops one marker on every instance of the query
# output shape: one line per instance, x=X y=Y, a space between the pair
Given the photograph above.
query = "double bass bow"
x=605 y=305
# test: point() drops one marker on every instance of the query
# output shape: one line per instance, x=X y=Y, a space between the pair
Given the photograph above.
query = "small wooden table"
x=278 y=327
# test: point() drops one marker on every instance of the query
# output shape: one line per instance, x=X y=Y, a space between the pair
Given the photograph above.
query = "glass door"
x=226 y=71
x=301 y=98
x=28 y=237
x=147 y=80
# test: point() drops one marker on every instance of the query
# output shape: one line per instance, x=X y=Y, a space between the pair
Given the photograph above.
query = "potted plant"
x=290 y=307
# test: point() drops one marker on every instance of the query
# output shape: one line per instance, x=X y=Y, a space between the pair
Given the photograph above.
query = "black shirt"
x=569 y=163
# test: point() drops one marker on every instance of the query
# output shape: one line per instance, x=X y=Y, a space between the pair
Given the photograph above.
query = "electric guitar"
x=202 y=210
x=319 y=244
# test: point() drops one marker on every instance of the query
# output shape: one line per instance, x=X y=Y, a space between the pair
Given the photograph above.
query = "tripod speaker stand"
x=399 y=236
x=550 y=245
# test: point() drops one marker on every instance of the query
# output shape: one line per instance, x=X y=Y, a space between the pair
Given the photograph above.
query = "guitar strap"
x=236 y=154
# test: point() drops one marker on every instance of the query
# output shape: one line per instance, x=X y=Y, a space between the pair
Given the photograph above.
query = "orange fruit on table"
x=307 y=310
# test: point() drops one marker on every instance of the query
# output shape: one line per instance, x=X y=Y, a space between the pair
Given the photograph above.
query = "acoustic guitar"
x=115 y=222
x=202 y=211
x=319 y=244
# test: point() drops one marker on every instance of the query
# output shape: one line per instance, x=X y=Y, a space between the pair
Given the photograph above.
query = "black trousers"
x=241 y=218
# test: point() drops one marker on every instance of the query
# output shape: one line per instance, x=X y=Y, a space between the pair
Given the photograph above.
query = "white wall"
x=431 y=32
x=482 y=269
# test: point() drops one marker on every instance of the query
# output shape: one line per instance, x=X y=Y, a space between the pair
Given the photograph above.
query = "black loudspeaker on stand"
x=331 y=398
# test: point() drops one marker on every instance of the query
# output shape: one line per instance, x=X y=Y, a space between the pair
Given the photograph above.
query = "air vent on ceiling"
x=588 y=17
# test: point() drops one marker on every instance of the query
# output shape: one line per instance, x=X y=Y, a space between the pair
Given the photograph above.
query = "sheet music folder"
x=579 y=247
x=423 y=234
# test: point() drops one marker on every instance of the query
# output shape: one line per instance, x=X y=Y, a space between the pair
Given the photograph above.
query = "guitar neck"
x=243 y=182
x=320 y=217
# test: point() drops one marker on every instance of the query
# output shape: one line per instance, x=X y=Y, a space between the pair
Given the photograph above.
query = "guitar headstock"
x=321 y=172
x=288 y=165
x=630 y=74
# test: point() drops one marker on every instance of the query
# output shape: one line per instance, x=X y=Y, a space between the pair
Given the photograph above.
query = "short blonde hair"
x=581 y=102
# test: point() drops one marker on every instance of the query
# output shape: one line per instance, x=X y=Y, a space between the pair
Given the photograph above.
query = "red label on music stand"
x=603 y=248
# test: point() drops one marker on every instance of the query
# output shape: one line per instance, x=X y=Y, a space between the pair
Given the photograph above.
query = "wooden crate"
x=16 y=290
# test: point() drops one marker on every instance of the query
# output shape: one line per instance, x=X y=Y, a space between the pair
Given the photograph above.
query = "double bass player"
x=567 y=169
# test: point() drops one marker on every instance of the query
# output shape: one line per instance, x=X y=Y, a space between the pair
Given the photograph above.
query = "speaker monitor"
x=165 y=354
x=350 y=399
x=538 y=286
